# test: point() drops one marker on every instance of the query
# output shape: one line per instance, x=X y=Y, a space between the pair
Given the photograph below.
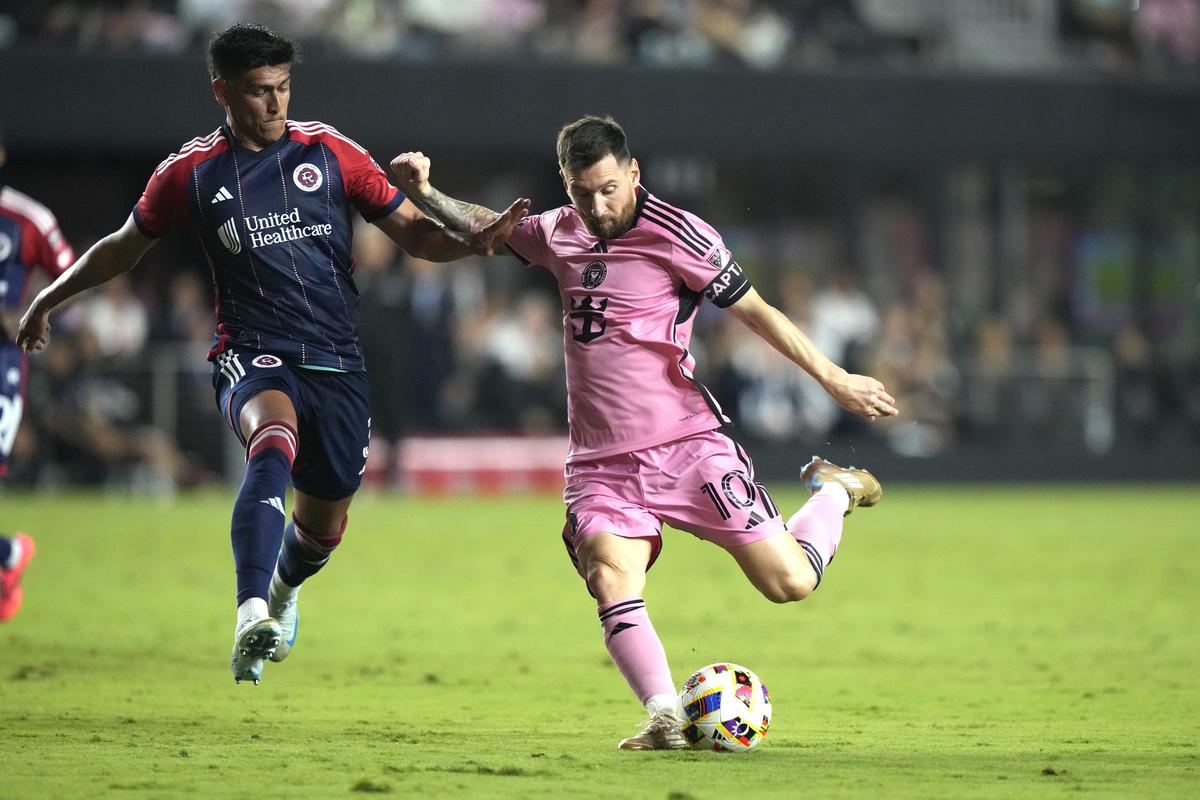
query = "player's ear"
x=219 y=88
x=635 y=172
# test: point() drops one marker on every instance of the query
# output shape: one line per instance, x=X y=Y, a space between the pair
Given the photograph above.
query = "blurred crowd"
x=1002 y=304
x=1150 y=37
x=1061 y=345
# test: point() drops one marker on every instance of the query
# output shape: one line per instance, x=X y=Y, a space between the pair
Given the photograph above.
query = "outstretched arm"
x=859 y=394
x=410 y=172
x=116 y=253
x=426 y=237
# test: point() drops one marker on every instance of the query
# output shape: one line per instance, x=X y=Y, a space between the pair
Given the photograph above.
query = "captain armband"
x=730 y=285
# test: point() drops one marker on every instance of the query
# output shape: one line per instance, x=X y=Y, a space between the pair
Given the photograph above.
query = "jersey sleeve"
x=703 y=263
x=47 y=248
x=367 y=186
x=530 y=239
x=164 y=204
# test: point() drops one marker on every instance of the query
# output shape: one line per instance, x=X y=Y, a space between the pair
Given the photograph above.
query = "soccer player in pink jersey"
x=645 y=440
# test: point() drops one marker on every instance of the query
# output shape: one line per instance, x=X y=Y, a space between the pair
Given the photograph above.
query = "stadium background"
x=992 y=205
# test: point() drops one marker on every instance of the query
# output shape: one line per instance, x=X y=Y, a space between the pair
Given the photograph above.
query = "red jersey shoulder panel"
x=42 y=243
x=165 y=204
x=366 y=185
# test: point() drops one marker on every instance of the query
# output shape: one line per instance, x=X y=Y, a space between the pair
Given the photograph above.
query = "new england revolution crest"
x=594 y=274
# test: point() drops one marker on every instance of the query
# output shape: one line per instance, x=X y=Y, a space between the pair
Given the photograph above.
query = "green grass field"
x=965 y=643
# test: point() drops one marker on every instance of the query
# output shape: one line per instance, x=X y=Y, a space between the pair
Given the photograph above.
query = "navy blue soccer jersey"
x=276 y=227
x=29 y=239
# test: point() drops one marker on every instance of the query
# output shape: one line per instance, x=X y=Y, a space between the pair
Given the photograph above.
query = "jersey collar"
x=642 y=194
x=246 y=153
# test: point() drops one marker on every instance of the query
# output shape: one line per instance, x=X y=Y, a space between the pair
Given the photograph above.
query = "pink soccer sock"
x=635 y=648
x=817 y=526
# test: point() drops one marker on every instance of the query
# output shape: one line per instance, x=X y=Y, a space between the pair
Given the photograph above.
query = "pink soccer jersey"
x=628 y=308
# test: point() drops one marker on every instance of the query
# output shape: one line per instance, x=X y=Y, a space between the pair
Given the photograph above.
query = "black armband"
x=729 y=286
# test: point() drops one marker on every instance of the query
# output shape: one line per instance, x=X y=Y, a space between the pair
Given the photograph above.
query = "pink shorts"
x=703 y=484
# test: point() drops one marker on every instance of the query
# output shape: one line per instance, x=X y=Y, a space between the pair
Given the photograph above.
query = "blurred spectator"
x=1137 y=401
x=407 y=325
x=991 y=386
x=1168 y=34
x=765 y=34
x=88 y=423
x=187 y=316
x=116 y=318
x=913 y=361
x=521 y=383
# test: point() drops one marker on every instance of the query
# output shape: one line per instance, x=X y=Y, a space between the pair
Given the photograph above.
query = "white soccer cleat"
x=253 y=640
x=663 y=731
x=284 y=608
x=863 y=487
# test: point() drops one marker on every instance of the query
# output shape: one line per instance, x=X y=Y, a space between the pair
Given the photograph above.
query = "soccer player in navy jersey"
x=29 y=241
x=271 y=201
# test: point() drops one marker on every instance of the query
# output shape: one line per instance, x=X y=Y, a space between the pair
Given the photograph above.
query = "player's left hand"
x=33 y=334
x=410 y=171
x=495 y=234
x=865 y=396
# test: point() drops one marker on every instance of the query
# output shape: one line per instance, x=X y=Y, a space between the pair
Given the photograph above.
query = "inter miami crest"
x=594 y=274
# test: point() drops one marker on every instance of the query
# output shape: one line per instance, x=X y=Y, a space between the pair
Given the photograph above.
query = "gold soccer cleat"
x=660 y=732
x=862 y=486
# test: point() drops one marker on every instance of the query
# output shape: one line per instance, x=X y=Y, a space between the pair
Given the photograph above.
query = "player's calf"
x=306 y=550
x=259 y=513
x=789 y=587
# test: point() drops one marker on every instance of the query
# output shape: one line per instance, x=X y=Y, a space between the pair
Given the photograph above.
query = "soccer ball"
x=725 y=707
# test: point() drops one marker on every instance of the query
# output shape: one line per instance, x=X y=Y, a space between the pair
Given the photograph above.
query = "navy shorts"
x=333 y=415
x=12 y=398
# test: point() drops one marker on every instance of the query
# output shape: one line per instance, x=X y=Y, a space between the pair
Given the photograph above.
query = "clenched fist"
x=410 y=171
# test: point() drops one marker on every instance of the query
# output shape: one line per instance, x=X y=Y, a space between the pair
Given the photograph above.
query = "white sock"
x=663 y=704
x=281 y=589
x=253 y=609
x=15 y=557
x=835 y=488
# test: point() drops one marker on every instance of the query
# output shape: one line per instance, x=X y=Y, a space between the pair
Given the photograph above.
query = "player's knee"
x=324 y=538
x=608 y=577
x=789 y=587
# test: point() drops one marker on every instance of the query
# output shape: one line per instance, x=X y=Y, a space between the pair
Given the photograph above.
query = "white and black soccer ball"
x=725 y=707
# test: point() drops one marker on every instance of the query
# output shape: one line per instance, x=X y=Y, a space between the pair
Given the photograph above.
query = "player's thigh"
x=253 y=389
x=269 y=405
x=777 y=567
x=335 y=431
x=705 y=484
x=610 y=534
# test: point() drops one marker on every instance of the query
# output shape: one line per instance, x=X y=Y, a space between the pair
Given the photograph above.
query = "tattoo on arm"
x=455 y=214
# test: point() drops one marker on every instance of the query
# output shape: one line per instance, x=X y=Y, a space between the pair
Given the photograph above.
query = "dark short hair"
x=585 y=141
x=242 y=47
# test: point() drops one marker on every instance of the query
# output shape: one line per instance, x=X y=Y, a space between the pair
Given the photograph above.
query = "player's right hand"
x=410 y=171
x=33 y=334
x=495 y=234
x=865 y=396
